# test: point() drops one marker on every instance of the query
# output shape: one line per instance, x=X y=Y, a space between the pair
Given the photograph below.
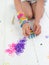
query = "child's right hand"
x=26 y=29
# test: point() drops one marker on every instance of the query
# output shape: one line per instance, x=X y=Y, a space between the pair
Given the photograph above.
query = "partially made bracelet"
x=22 y=18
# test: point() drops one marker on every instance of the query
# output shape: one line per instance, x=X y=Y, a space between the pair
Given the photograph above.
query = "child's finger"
x=34 y=28
x=28 y=31
x=29 y=27
x=38 y=30
x=24 y=33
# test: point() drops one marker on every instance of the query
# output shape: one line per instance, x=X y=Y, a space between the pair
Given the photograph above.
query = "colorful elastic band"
x=22 y=18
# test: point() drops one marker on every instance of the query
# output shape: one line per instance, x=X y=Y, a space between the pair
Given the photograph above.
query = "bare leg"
x=38 y=9
x=33 y=8
x=27 y=9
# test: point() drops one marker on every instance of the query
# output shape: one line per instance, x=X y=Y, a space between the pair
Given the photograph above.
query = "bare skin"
x=36 y=9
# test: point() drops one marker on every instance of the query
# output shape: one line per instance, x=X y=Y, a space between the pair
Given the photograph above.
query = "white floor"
x=34 y=53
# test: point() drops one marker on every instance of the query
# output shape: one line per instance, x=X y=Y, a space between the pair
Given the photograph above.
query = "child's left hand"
x=37 y=28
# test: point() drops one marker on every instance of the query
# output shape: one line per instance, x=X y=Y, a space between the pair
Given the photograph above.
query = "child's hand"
x=37 y=28
x=26 y=29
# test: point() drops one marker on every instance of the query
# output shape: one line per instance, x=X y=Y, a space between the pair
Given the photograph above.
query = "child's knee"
x=30 y=15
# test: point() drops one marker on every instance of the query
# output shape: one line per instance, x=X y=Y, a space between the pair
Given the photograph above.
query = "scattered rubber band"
x=17 y=48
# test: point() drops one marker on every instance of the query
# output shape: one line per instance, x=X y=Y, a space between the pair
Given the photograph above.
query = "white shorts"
x=31 y=1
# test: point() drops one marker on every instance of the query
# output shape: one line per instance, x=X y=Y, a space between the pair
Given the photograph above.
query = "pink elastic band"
x=20 y=15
